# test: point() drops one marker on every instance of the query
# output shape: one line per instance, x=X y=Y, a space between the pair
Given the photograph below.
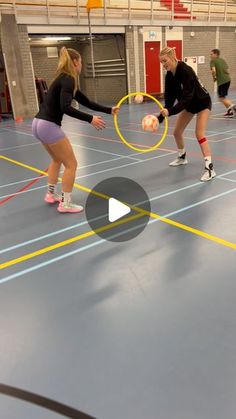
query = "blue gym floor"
x=143 y=329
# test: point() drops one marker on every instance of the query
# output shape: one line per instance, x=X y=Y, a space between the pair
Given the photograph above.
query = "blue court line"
x=90 y=246
x=45 y=236
x=103 y=171
x=85 y=222
x=37 y=266
x=90 y=174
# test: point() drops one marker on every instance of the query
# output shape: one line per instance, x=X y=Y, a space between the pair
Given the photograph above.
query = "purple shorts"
x=47 y=132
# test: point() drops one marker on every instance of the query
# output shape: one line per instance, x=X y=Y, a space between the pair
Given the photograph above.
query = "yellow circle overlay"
x=142 y=150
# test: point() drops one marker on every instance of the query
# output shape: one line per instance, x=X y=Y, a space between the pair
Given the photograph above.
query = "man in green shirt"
x=220 y=73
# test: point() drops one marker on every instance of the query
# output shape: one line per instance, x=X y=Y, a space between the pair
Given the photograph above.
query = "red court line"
x=191 y=154
x=22 y=189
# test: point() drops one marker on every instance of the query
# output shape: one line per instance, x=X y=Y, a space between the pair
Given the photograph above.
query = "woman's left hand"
x=115 y=110
x=164 y=112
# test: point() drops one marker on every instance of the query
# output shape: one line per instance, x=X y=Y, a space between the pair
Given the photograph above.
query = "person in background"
x=220 y=74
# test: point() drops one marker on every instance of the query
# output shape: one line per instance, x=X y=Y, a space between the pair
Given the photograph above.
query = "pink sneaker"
x=52 y=198
x=69 y=207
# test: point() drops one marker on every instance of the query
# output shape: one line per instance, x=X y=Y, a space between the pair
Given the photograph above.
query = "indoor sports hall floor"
x=132 y=330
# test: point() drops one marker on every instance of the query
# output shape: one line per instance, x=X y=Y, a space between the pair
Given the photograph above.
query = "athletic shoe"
x=69 y=207
x=179 y=161
x=229 y=114
x=52 y=198
x=209 y=173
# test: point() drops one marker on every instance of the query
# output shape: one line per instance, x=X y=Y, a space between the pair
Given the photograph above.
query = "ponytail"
x=66 y=66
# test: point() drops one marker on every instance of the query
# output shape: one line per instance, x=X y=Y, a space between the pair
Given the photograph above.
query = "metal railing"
x=123 y=12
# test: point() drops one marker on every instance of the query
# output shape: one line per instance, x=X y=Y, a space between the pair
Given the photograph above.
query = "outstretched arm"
x=85 y=101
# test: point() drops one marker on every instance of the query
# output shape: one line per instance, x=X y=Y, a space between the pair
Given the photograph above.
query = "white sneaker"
x=69 y=207
x=229 y=114
x=232 y=110
x=209 y=173
x=179 y=161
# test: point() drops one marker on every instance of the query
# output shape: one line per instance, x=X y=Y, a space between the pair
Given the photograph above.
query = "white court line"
x=223 y=119
x=155 y=198
x=225 y=139
x=18 y=146
x=104 y=152
x=126 y=165
x=18 y=132
x=80 y=167
x=23 y=192
x=46 y=236
x=95 y=173
x=225 y=178
x=22 y=181
x=221 y=132
x=101 y=241
x=139 y=131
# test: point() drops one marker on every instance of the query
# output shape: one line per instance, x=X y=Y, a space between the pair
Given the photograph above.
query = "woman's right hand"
x=98 y=122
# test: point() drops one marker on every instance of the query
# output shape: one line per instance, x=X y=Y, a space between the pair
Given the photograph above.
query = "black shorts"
x=223 y=89
x=199 y=106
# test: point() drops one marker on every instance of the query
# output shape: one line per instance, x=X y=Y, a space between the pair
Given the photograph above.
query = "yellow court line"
x=141 y=212
x=69 y=241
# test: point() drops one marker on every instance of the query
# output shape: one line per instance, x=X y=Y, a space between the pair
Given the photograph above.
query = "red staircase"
x=180 y=12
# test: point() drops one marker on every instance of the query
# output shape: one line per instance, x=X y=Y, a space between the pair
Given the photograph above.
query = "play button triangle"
x=116 y=210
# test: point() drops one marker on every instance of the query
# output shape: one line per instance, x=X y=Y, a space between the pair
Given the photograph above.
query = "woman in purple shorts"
x=46 y=127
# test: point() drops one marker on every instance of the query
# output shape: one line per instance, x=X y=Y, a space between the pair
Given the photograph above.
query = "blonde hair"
x=66 y=66
x=168 y=51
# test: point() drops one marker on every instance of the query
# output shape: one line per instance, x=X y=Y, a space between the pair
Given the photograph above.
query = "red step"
x=178 y=8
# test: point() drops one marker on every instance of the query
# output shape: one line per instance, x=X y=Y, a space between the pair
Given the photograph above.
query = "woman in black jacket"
x=47 y=129
x=183 y=85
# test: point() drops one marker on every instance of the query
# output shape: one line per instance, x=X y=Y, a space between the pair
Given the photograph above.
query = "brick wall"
x=44 y=67
x=28 y=70
x=129 y=45
x=141 y=61
x=200 y=45
x=15 y=46
x=108 y=89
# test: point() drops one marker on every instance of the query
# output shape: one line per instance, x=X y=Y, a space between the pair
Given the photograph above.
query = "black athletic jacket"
x=58 y=102
x=184 y=86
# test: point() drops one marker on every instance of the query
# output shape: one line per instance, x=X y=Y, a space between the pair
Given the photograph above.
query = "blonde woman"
x=46 y=127
x=182 y=84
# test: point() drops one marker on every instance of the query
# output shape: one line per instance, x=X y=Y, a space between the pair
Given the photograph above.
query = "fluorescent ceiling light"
x=57 y=38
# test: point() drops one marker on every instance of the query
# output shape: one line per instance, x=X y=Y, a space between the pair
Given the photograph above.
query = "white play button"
x=115 y=218
x=116 y=210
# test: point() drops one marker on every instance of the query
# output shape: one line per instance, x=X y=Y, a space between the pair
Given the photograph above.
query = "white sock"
x=66 y=197
x=207 y=161
x=51 y=188
x=181 y=151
